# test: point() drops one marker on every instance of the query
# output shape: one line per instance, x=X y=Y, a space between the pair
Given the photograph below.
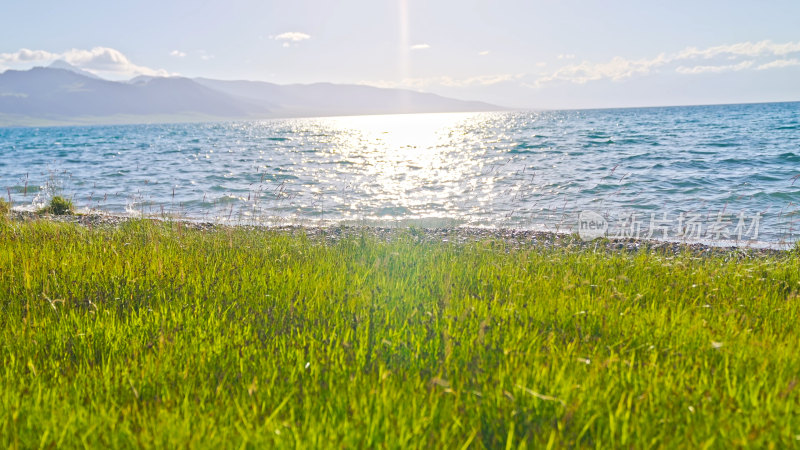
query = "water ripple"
x=518 y=169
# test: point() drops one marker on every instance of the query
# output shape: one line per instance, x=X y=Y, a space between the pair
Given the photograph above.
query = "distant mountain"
x=324 y=99
x=64 y=94
x=61 y=64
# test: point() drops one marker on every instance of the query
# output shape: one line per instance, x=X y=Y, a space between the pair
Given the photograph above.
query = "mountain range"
x=62 y=94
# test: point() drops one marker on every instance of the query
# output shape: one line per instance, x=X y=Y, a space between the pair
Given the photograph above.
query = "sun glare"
x=409 y=160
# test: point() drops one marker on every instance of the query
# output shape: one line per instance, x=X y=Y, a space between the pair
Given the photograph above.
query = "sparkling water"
x=647 y=171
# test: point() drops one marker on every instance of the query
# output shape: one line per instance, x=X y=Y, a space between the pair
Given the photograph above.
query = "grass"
x=5 y=208
x=59 y=206
x=158 y=336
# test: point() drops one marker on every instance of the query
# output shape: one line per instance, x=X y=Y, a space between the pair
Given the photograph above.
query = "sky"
x=538 y=54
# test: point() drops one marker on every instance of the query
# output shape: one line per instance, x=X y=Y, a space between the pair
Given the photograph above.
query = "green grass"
x=155 y=335
x=59 y=206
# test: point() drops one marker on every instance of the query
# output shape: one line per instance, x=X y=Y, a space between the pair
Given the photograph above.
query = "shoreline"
x=514 y=238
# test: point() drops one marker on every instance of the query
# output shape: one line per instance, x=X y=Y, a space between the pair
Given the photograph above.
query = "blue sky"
x=535 y=54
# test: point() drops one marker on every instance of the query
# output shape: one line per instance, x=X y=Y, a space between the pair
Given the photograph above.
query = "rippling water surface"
x=531 y=170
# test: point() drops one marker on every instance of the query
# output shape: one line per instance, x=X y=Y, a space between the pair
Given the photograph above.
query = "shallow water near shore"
x=705 y=173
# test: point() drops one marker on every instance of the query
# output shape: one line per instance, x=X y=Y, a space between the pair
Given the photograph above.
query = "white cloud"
x=617 y=69
x=566 y=56
x=714 y=69
x=109 y=60
x=420 y=47
x=25 y=55
x=292 y=36
x=779 y=64
x=446 y=81
x=481 y=80
x=483 y=53
x=720 y=58
x=177 y=54
x=101 y=61
x=750 y=49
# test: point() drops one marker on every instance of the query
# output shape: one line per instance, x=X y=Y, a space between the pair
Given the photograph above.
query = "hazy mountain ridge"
x=342 y=99
x=50 y=93
x=61 y=64
x=64 y=94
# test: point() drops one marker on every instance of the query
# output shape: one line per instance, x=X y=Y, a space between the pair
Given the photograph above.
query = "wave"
x=736 y=161
x=789 y=156
x=722 y=144
x=596 y=143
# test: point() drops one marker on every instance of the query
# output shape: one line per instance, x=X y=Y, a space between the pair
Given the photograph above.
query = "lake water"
x=678 y=173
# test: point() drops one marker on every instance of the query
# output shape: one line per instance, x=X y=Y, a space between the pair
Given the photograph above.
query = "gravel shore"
x=512 y=238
